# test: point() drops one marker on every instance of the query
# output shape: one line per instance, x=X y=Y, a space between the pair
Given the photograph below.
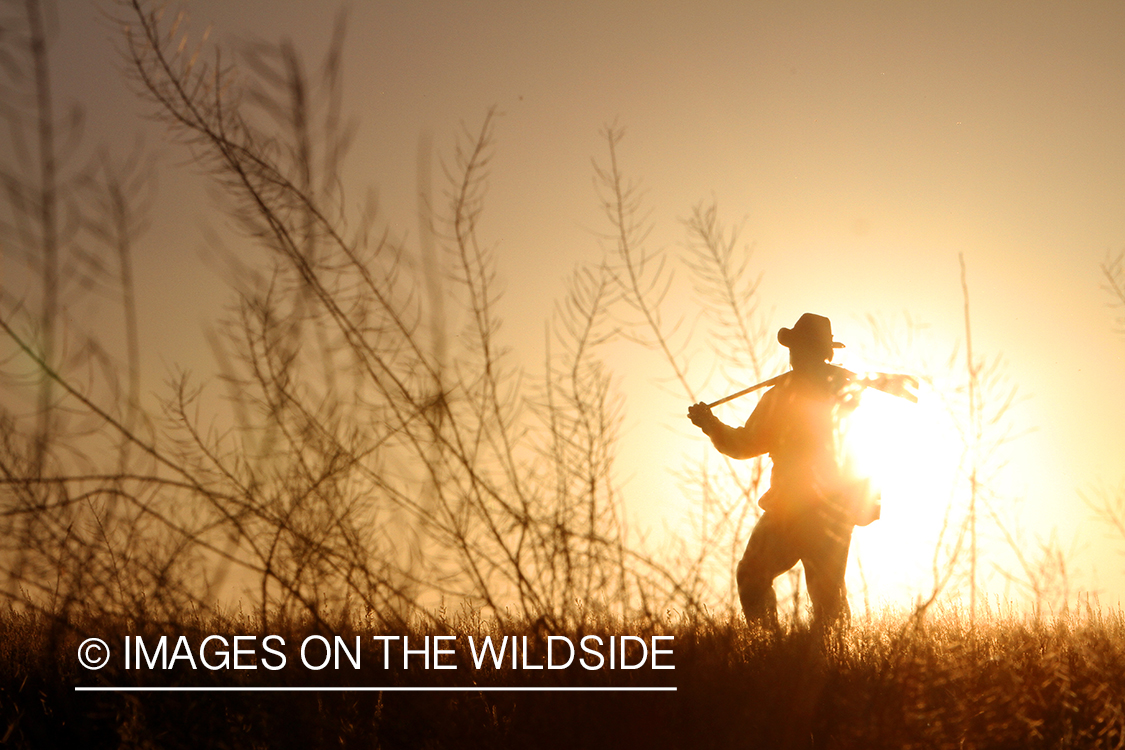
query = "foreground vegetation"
x=891 y=682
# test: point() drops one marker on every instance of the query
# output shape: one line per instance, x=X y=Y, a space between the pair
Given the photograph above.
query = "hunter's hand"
x=701 y=416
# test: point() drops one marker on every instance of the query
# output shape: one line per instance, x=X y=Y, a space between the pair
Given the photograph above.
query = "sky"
x=862 y=147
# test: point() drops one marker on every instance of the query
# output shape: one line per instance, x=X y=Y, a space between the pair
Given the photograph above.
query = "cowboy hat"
x=809 y=332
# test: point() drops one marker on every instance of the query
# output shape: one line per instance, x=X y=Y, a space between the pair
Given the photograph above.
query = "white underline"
x=369 y=689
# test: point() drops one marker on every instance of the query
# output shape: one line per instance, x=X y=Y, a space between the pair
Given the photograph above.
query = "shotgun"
x=902 y=386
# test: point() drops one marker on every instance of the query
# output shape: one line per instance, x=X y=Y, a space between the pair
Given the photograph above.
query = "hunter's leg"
x=769 y=553
x=826 y=561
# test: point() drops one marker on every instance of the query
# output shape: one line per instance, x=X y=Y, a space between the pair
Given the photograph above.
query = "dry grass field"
x=886 y=683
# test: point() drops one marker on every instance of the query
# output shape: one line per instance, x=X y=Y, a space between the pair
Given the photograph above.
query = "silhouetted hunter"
x=813 y=502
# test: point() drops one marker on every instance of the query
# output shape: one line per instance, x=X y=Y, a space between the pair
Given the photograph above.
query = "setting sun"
x=911 y=452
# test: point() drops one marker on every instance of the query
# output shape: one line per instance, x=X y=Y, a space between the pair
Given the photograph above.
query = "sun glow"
x=911 y=453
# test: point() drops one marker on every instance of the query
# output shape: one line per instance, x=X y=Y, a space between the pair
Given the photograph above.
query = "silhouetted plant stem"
x=974 y=444
x=48 y=208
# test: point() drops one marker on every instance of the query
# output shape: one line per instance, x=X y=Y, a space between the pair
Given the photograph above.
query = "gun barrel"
x=900 y=386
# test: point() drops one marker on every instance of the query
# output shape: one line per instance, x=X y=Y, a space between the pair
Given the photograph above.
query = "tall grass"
x=892 y=681
x=367 y=459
